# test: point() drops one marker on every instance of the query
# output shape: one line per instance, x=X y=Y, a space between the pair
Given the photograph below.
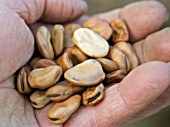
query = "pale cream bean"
x=90 y=43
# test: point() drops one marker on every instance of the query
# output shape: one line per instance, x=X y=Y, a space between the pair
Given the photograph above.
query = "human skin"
x=140 y=94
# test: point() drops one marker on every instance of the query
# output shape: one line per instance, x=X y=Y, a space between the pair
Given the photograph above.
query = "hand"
x=140 y=94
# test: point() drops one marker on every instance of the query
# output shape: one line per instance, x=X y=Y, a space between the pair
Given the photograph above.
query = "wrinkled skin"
x=140 y=94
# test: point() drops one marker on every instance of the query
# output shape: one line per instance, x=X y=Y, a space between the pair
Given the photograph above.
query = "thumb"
x=155 y=47
x=51 y=11
x=63 y=10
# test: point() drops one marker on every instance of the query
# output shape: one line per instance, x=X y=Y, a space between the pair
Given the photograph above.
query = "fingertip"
x=157 y=46
x=110 y=15
x=84 y=5
x=145 y=84
x=140 y=23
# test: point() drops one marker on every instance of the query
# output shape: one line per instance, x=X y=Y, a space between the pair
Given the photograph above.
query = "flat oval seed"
x=62 y=91
x=99 y=26
x=107 y=64
x=43 y=78
x=33 y=61
x=120 y=29
x=115 y=77
x=23 y=86
x=93 y=95
x=119 y=58
x=39 y=99
x=68 y=34
x=90 y=43
x=43 y=42
x=61 y=111
x=58 y=39
x=87 y=73
x=64 y=61
x=43 y=63
x=77 y=55
x=127 y=49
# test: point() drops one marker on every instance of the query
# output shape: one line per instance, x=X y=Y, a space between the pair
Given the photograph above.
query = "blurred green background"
x=162 y=118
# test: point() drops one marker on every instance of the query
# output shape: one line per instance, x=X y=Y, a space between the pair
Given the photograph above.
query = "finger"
x=63 y=10
x=15 y=110
x=41 y=115
x=143 y=18
x=160 y=103
x=155 y=47
x=109 y=16
x=51 y=11
x=124 y=100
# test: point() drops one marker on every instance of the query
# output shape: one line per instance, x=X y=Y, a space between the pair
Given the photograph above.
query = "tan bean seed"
x=119 y=58
x=62 y=91
x=120 y=32
x=58 y=39
x=43 y=37
x=115 y=77
x=64 y=61
x=107 y=64
x=39 y=99
x=68 y=34
x=61 y=111
x=99 y=26
x=42 y=63
x=77 y=55
x=128 y=50
x=93 y=95
x=23 y=86
x=43 y=78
